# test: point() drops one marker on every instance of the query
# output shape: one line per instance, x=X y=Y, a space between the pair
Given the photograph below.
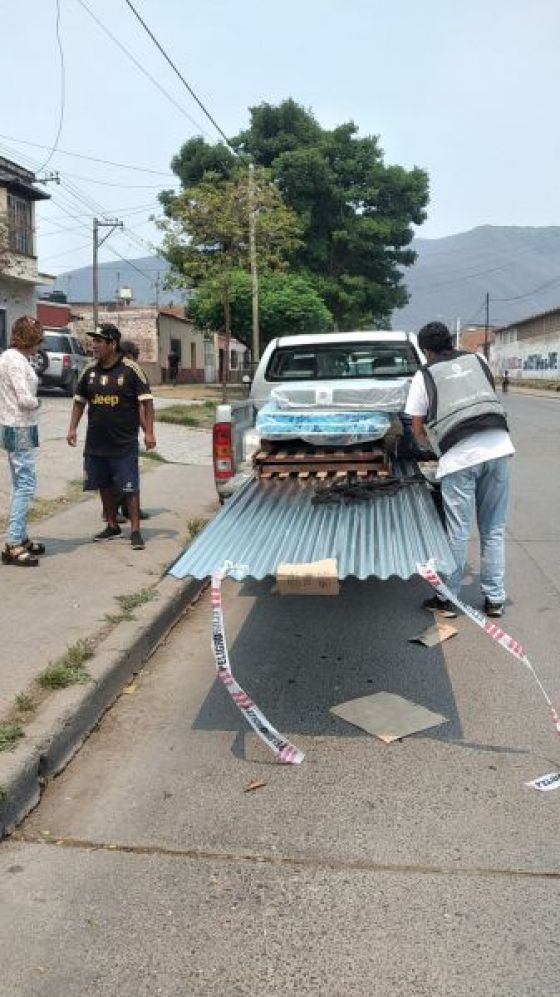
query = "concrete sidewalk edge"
x=69 y=715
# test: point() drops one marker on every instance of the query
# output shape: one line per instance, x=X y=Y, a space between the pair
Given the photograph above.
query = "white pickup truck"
x=300 y=504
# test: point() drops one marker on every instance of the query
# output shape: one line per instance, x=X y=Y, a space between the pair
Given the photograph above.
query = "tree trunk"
x=227 y=324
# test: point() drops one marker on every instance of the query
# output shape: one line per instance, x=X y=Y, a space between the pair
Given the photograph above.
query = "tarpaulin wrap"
x=373 y=396
x=321 y=427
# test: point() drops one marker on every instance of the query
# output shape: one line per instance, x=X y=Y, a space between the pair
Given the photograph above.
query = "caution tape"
x=286 y=752
x=493 y=630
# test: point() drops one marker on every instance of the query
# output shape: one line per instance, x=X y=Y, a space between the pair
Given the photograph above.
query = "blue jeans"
x=24 y=480
x=486 y=489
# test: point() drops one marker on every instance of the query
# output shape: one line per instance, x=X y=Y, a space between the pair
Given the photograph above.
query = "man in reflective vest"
x=456 y=413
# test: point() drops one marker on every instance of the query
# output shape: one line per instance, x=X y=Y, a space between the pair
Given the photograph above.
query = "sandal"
x=34 y=547
x=19 y=555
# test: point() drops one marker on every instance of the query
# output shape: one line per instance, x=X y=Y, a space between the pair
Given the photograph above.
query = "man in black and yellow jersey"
x=115 y=390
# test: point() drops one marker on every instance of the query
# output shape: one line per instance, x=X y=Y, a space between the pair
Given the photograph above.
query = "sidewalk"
x=76 y=595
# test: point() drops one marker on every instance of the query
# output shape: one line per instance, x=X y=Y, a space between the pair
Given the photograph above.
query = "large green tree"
x=207 y=234
x=356 y=212
x=288 y=304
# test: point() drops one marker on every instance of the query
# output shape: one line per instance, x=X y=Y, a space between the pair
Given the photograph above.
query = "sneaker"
x=440 y=606
x=109 y=533
x=136 y=540
x=493 y=608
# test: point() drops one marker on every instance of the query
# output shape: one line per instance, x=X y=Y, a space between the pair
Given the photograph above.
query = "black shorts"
x=119 y=472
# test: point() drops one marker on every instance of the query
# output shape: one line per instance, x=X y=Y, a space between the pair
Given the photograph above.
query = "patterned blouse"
x=18 y=402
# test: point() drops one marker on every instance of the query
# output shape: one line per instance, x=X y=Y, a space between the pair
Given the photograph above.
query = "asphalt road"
x=423 y=868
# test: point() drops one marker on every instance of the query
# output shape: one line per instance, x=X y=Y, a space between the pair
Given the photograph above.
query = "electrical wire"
x=168 y=59
x=91 y=159
x=528 y=294
x=482 y=273
x=142 y=69
x=62 y=90
x=110 y=183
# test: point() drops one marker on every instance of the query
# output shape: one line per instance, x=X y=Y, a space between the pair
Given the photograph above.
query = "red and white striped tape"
x=286 y=752
x=493 y=630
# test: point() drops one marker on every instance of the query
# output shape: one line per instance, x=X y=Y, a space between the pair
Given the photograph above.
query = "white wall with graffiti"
x=531 y=358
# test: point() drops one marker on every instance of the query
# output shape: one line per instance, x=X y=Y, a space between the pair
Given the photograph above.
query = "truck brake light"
x=222 y=451
x=66 y=361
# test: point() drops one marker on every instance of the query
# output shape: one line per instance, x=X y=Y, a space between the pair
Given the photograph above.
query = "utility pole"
x=111 y=224
x=487 y=326
x=254 y=274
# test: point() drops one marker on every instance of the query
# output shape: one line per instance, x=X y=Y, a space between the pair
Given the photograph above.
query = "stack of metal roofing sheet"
x=269 y=522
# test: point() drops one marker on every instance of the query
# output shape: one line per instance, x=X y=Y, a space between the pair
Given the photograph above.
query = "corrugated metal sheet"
x=269 y=522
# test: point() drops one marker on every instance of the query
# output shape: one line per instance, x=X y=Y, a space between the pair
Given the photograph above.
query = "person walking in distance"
x=505 y=383
x=19 y=436
x=456 y=413
x=173 y=367
x=130 y=351
x=114 y=389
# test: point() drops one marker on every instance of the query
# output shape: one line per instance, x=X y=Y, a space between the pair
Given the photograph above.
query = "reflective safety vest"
x=461 y=400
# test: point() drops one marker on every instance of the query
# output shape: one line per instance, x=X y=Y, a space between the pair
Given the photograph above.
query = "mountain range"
x=518 y=267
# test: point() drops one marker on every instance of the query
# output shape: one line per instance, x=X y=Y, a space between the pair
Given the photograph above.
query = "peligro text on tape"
x=428 y=572
x=545 y=782
x=282 y=748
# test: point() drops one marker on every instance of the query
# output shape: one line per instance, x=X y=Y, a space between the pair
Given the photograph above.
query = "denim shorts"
x=120 y=472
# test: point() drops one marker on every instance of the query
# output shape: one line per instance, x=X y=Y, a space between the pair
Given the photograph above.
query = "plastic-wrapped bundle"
x=380 y=396
x=323 y=428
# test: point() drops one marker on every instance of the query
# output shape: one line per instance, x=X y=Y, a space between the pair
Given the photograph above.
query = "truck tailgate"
x=269 y=522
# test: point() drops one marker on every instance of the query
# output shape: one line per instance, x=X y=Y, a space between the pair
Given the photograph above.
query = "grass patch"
x=69 y=669
x=130 y=602
x=194 y=526
x=40 y=508
x=187 y=415
x=25 y=702
x=10 y=734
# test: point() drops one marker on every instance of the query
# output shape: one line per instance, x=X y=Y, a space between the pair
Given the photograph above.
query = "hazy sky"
x=467 y=90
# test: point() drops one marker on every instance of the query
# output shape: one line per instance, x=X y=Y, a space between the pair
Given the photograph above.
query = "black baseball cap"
x=108 y=332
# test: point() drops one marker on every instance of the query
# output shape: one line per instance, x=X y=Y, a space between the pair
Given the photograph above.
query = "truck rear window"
x=348 y=360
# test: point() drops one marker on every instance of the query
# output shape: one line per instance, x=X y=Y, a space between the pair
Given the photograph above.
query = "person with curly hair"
x=19 y=436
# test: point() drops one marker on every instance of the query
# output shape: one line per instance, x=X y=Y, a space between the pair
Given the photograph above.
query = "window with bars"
x=20 y=225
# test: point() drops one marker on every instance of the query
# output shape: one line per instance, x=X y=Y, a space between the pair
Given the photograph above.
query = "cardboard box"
x=316 y=578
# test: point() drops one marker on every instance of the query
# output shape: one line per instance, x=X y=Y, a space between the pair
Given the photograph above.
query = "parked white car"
x=60 y=361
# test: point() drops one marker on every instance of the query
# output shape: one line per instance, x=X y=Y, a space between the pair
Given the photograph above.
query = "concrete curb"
x=68 y=716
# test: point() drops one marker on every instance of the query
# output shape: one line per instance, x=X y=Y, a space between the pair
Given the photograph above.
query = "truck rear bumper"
x=269 y=522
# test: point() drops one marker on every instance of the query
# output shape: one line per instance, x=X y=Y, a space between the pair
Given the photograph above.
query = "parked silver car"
x=60 y=361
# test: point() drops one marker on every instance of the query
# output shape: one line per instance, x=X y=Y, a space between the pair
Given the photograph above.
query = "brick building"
x=156 y=331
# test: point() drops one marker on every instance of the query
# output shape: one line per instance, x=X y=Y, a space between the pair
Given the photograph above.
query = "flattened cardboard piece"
x=315 y=578
x=387 y=716
x=545 y=782
x=433 y=635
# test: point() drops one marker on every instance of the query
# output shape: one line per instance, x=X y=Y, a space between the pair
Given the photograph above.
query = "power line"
x=528 y=294
x=134 y=210
x=110 y=183
x=141 y=68
x=179 y=74
x=91 y=159
x=62 y=90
